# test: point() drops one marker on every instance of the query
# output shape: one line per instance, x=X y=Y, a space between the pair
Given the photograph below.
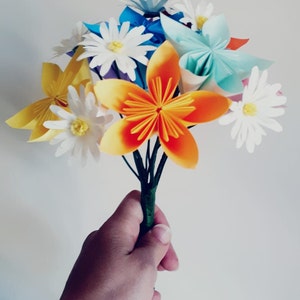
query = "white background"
x=235 y=218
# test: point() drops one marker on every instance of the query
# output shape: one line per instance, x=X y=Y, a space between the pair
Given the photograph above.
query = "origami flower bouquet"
x=163 y=67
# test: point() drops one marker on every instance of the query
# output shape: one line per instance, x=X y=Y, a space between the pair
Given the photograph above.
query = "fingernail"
x=162 y=233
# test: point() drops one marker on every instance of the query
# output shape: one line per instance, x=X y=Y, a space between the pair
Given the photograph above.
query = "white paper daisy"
x=117 y=44
x=82 y=128
x=69 y=44
x=261 y=103
x=195 y=16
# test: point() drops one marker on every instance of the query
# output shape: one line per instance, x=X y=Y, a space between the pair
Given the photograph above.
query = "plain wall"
x=235 y=218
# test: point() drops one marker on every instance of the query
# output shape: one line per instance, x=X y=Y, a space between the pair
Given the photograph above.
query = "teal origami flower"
x=205 y=60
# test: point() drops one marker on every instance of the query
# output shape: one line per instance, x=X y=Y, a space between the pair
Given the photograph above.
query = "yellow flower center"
x=79 y=127
x=115 y=46
x=200 y=21
x=250 y=109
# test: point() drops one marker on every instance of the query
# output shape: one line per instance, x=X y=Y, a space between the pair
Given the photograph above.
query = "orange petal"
x=112 y=93
x=235 y=43
x=119 y=139
x=164 y=64
x=182 y=150
x=208 y=107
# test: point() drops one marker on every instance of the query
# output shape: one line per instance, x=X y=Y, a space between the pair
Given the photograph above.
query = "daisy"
x=117 y=44
x=261 y=102
x=82 y=128
x=68 y=45
x=196 y=17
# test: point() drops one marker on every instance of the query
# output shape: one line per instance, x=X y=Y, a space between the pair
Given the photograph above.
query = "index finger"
x=170 y=261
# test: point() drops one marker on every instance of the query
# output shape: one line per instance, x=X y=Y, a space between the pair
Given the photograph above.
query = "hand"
x=115 y=265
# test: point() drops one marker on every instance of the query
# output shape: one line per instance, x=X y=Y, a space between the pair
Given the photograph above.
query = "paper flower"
x=55 y=84
x=81 y=129
x=152 y=25
x=164 y=67
x=195 y=17
x=156 y=111
x=120 y=45
x=206 y=57
x=147 y=6
x=261 y=103
x=68 y=45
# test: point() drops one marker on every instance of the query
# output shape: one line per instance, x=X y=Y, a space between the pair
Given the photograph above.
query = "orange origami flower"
x=55 y=84
x=156 y=111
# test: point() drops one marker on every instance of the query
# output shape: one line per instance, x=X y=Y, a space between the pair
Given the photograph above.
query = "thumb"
x=154 y=245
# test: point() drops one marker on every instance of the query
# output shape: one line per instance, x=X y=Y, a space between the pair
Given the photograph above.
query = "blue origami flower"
x=151 y=26
x=205 y=59
x=149 y=7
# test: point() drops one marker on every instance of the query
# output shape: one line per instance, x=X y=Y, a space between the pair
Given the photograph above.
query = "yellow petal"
x=50 y=74
x=29 y=116
x=80 y=69
x=164 y=64
x=42 y=134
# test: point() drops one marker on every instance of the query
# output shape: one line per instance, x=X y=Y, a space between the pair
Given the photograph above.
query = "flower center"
x=115 y=46
x=200 y=21
x=250 y=109
x=158 y=109
x=79 y=127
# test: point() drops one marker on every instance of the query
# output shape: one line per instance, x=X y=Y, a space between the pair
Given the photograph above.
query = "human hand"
x=114 y=265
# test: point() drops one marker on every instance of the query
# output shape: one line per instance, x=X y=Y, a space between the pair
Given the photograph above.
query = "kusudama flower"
x=261 y=103
x=146 y=6
x=81 y=129
x=55 y=84
x=205 y=58
x=68 y=45
x=146 y=113
x=196 y=17
x=117 y=44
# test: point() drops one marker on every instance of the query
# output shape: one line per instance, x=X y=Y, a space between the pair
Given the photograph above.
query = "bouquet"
x=136 y=85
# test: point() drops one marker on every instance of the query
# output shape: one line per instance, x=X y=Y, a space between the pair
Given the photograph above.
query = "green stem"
x=130 y=167
x=148 y=207
x=149 y=178
x=160 y=168
x=152 y=162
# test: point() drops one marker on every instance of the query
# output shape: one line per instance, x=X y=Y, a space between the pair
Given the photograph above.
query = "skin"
x=115 y=264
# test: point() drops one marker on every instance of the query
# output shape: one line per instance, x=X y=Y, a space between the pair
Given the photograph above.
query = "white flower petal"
x=57 y=125
x=62 y=113
x=65 y=146
x=227 y=118
x=271 y=124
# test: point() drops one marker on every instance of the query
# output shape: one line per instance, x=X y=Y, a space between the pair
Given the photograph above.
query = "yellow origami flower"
x=55 y=84
x=156 y=111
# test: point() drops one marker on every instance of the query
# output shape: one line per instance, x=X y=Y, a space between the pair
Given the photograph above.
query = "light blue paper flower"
x=205 y=55
x=147 y=6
